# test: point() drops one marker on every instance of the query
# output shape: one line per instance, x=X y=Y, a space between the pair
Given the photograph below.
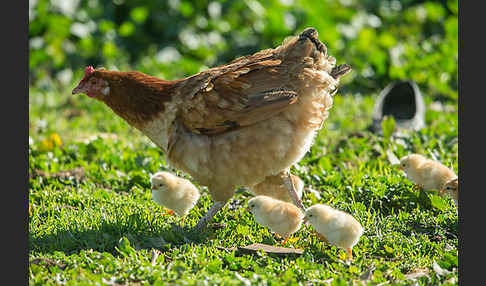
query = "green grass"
x=101 y=226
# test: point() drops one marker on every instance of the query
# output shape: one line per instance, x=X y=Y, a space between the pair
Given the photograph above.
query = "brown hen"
x=235 y=124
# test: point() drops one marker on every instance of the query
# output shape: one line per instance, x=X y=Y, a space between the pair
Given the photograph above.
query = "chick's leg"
x=168 y=212
x=285 y=240
x=349 y=254
x=321 y=237
x=292 y=192
x=209 y=215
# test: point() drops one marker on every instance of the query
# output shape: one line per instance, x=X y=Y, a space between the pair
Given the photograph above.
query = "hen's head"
x=93 y=84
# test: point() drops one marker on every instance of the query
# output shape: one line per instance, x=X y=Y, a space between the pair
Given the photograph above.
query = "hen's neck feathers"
x=137 y=97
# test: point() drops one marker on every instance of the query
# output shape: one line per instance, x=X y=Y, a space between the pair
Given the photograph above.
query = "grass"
x=100 y=224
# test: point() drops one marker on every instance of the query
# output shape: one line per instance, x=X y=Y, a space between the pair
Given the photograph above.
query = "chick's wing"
x=248 y=90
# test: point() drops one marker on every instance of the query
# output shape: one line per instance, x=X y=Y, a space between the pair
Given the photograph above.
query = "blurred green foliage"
x=381 y=40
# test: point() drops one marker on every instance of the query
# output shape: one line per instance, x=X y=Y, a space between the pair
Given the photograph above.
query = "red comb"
x=88 y=70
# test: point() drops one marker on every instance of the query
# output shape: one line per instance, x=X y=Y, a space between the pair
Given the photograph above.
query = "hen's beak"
x=79 y=89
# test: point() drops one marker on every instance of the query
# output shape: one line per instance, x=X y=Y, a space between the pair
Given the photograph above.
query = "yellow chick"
x=280 y=217
x=426 y=173
x=334 y=226
x=273 y=186
x=451 y=189
x=177 y=194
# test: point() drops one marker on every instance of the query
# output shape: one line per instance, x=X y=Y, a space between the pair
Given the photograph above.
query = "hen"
x=235 y=124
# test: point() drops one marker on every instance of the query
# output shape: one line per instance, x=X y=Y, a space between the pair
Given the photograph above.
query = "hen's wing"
x=248 y=90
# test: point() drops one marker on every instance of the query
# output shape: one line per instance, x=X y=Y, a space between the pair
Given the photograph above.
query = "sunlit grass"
x=101 y=225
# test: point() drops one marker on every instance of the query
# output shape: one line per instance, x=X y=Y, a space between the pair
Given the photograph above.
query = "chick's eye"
x=310 y=215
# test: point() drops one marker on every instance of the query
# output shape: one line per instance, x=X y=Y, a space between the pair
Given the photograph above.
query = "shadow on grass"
x=434 y=232
x=108 y=236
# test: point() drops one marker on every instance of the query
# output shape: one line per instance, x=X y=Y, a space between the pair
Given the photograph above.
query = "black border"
x=15 y=132
x=471 y=125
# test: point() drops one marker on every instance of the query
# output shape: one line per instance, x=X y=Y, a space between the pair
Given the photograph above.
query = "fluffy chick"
x=334 y=226
x=274 y=187
x=426 y=173
x=280 y=217
x=451 y=189
x=177 y=194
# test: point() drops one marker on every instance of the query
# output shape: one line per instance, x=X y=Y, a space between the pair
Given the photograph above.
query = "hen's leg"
x=209 y=215
x=292 y=192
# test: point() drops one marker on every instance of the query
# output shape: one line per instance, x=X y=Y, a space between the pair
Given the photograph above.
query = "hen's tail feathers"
x=340 y=70
x=311 y=34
